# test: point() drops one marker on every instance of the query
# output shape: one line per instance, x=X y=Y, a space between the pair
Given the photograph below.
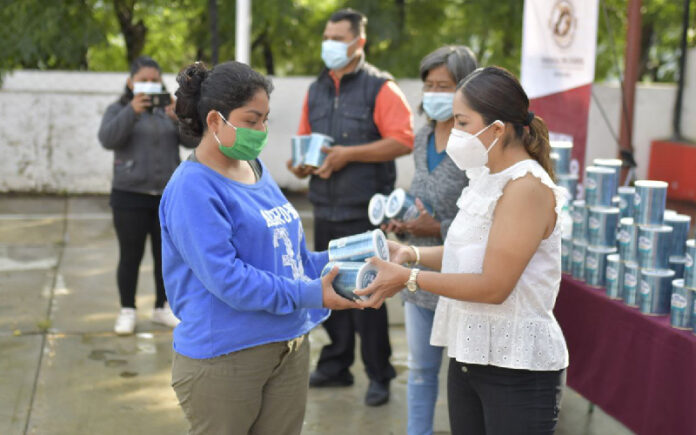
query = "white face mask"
x=466 y=150
x=335 y=53
x=147 y=88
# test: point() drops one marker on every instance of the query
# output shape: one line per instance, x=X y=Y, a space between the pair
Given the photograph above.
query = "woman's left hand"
x=169 y=110
x=391 y=279
x=425 y=225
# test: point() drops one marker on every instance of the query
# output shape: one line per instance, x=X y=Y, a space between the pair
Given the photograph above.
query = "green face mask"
x=247 y=145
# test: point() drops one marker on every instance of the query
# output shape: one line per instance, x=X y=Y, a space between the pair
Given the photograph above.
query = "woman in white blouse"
x=500 y=266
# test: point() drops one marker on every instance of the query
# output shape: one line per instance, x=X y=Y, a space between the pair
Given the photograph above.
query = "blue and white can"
x=562 y=150
x=650 y=200
x=299 y=146
x=351 y=276
x=600 y=186
x=596 y=265
x=631 y=282
x=627 y=240
x=570 y=183
x=682 y=306
x=376 y=209
x=655 y=292
x=602 y=223
x=577 y=259
x=614 y=276
x=677 y=264
x=566 y=250
x=627 y=197
x=653 y=246
x=680 y=224
x=359 y=247
x=402 y=206
x=689 y=269
x=314 y=155
x=613 y=164
x=579 y=215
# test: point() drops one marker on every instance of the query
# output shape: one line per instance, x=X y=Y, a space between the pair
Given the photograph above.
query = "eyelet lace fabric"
x=520 y=333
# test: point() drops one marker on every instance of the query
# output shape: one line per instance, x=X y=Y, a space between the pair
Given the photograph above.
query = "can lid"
x=679 y=283
x=366 y=274
x=627 y=189
x=613 y=163
x=604 y=210
x=568 y=177
x=651 y=183
x=677 y=218
x=395 y=201
x=375 y=209
x=561 y=144
x=614 y=258
x=626 y=221
x=655 y=228
x=381 y=246
x=599 y=170
x=663 y=273
x=677 y=259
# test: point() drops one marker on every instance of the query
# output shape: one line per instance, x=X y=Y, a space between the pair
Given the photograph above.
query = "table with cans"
x=627 y=301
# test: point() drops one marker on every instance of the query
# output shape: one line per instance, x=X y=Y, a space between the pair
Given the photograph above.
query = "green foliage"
x=286 y=34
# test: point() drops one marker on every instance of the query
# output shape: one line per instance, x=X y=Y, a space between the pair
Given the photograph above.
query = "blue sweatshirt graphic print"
x=236 y=267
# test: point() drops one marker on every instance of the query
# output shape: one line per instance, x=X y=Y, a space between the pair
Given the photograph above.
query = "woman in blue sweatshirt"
x=236 y=267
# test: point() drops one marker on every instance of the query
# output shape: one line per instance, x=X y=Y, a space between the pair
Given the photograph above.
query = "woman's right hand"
x=140 y=103
x=301 y=171
x=331 y=299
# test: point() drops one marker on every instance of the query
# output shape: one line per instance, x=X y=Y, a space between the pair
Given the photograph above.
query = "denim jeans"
x=424 y=365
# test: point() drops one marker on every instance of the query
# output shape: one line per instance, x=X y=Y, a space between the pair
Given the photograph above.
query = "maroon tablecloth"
x=637 y=368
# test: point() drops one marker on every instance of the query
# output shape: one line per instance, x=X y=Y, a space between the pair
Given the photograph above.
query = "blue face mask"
x=438 y=105
x=335 y=53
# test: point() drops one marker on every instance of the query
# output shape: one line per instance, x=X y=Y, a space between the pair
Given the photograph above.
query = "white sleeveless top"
x=520 y=333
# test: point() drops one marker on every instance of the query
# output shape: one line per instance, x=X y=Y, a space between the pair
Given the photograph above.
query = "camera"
x=160 y=99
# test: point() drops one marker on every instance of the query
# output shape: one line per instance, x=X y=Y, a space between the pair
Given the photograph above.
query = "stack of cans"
x=654 y=245
x=349 y=255
x=601 y=220
x=682 y=305
x=402 y=206
x=306 y=150
x=677 y=247
x=561 y=151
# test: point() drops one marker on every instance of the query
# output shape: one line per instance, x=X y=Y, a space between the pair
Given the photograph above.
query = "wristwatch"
x=411 y=283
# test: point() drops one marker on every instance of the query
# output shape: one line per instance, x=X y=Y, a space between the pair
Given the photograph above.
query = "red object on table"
x=674 y=163
x=637 y=368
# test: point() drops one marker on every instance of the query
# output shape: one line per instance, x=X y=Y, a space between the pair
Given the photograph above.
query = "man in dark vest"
x=368 y=117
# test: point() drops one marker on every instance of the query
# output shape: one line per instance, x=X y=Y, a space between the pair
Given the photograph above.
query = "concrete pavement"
x=63 y=370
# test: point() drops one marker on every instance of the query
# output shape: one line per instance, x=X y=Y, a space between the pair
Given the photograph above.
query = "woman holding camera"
x=145 y=139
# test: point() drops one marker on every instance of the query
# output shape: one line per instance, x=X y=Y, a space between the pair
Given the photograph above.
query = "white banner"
x=559 y=41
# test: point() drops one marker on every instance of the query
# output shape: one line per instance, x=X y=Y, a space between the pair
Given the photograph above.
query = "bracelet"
x=415 y=249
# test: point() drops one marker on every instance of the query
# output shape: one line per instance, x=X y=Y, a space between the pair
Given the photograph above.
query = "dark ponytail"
x=224 y=88
x=496 y=94
x=138 y=63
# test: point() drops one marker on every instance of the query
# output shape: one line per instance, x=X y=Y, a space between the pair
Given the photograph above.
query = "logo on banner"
x=563 y=23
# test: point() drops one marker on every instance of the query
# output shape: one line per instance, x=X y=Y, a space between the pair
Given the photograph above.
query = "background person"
x=500 y=266
x=438 y=182
x=145 y=141
x=368 y=117
x=236 y=267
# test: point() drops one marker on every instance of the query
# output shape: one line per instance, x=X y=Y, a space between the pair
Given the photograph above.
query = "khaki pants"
x=257 y=391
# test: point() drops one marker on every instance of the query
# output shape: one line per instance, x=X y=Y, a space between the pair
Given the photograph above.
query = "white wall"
x=49 y=122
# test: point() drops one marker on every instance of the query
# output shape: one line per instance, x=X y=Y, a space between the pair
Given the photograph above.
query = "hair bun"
x=190 y=80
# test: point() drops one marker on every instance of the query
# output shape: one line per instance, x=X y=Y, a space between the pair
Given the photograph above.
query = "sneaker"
x=164 y=316
x=125 y=322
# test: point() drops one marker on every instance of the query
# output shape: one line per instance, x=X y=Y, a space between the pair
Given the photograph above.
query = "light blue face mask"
x=438 y=105
x=335 y=53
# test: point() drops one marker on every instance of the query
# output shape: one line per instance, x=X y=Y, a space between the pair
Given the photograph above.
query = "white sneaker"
x=164 y=316
x=125 y=322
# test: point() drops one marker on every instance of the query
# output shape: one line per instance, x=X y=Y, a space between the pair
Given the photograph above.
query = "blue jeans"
x=424 y=365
